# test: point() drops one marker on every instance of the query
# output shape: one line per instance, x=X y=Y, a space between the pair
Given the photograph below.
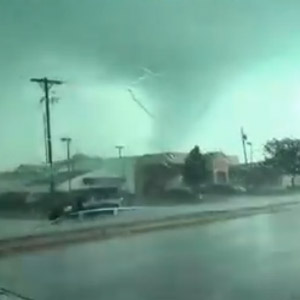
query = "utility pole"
x=251 y=151
x=45 y=137
x=68 y=140
x=46 y=85
x=244 y=139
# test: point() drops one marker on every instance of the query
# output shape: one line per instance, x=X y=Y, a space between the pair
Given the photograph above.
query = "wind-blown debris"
x=140 y=104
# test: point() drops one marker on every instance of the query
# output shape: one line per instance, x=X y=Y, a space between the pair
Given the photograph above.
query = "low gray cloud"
x=195 y=46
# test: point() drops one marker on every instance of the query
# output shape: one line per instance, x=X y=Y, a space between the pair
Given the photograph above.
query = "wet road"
x=249 y=258
x=14 y=227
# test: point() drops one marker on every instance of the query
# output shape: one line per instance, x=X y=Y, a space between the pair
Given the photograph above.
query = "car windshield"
x=149 y=149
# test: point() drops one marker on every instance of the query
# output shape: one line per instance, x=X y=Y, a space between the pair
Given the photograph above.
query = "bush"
x=42 y=205
x=13 y=201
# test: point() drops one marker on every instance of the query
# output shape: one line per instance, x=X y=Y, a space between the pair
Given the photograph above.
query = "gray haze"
x=217 y=64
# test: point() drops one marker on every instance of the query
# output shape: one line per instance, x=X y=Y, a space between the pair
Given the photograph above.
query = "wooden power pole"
x=46 y=85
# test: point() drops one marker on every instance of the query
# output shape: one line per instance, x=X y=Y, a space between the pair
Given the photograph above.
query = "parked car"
x=89 y=204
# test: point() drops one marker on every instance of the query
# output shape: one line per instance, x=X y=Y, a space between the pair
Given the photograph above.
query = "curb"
x=13 y=246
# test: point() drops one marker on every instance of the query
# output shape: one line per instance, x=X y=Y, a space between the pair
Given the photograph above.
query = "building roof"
x=167 y=158
x=233 y=160
x=95 y=179
x=24 y=168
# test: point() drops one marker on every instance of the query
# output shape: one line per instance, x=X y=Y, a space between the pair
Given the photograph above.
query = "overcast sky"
x=214 y=65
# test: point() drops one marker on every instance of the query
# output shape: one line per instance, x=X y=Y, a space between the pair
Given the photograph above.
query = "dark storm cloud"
x=195 y=45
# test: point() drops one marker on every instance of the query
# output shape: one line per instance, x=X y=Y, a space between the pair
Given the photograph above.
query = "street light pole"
x=120 y=149
x=68 y=140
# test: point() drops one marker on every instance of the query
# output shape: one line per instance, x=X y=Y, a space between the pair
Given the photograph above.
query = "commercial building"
x=156 y=173
x=141 y=176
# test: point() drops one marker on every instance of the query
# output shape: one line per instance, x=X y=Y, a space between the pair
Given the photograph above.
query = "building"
x=149 y=174
x=99 y=184
x=218 y=165
x=155 y=171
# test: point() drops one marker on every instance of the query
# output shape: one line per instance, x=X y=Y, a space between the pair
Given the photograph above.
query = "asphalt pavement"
x=256 y=257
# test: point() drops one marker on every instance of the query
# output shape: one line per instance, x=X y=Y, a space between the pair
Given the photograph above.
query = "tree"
x=284 y=155
x=255 y=176
x=195 y=170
